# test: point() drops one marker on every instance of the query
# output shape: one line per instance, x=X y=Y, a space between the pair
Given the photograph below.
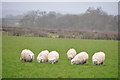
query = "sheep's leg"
x=57 y=61
x=84 y=62
x=101 y=62
x=25 y=60
x=30 y=60
x=22 y=59
x=43 y=60
x=46 y=60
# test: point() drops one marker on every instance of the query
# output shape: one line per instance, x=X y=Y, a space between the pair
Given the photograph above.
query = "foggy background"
x=98 y=16
x=56 y=17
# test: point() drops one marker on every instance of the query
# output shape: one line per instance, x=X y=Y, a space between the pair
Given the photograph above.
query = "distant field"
x=14 y=68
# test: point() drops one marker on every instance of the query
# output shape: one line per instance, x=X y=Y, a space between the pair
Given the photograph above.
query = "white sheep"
x=98 y=58
x=43 y=56
x=53 y=57
x=71 y=53
x=80 y=58
x=27 y=55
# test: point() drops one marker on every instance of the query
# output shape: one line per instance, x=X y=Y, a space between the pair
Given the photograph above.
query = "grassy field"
x=14 y=68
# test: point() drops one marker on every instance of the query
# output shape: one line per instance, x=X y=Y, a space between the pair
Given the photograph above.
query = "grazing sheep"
x=80 y=58
x=53 y=57
x=27 y=55
x=98 y=58
x=71 y=53
x=43 y=56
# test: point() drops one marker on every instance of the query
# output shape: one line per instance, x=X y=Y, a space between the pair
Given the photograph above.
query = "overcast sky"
x=16 y=8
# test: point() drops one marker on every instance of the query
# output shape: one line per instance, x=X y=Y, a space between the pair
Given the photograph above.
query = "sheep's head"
x=72 y=61
x=95 y=62
x=43 y=60
x=52 y=61
x=70 y=57
x=39 y=60
x=31 y=56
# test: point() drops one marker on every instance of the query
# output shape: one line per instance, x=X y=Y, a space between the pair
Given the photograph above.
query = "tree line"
x=92 y=20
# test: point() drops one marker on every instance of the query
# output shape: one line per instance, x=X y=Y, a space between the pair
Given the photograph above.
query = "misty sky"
x=16 y=8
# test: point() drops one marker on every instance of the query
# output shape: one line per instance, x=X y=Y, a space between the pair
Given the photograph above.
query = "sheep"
x=27 y=55
x=71 y=53
x=43 y=56
x=98 y=58
x=53 y=57
x=80 y=58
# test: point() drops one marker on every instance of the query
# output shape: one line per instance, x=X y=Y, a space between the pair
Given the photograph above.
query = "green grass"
x=14 y=68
